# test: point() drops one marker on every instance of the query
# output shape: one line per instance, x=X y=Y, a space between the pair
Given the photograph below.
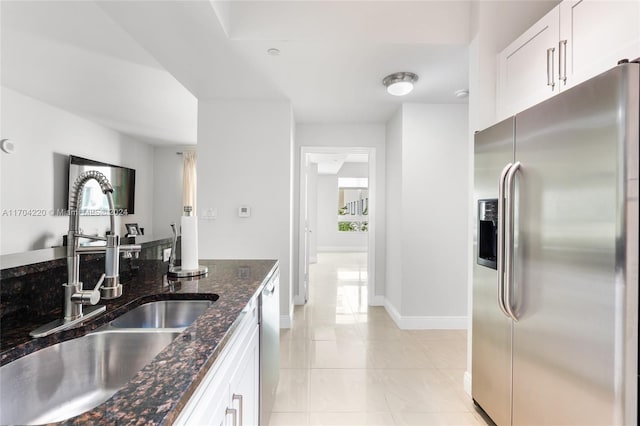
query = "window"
x=353 y=204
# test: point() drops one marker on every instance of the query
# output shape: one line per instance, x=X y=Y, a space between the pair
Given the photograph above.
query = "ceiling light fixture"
x=399 y=83
x=273 y=51
x=461 y=94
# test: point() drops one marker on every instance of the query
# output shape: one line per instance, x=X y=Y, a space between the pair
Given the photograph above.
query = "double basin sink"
x=72 y=377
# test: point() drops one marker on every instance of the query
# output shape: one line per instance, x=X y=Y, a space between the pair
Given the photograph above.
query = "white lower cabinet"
x=229 y=393
x=244 y=388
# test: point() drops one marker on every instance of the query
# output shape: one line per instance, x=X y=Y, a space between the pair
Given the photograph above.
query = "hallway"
x=344 y=363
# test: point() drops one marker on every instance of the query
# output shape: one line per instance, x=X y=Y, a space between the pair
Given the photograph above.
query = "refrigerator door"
x=491 y=329
x=572 y=279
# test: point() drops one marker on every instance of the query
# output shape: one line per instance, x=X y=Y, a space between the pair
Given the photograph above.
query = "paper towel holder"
x=177 y=271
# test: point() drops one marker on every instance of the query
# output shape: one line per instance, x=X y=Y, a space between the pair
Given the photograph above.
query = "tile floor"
x=344 y=363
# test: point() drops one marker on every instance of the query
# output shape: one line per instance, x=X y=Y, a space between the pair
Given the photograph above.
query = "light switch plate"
x=210 y=213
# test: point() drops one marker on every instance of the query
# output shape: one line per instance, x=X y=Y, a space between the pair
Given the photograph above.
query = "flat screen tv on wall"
x=94 y=203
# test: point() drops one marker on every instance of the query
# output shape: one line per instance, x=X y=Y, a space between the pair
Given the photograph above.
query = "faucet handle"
x=100 y=281
x=94 y=295
x=88 y=297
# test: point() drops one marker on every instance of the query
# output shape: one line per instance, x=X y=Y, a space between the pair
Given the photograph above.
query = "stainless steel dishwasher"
x=269 y=346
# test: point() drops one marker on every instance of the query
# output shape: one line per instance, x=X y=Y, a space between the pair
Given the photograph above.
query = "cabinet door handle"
x=269 y=289
x=238 y=398
x=233 y=412
x=562 y=61
x=550 y=73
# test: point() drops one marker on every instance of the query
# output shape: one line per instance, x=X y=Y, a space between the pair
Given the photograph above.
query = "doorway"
x=353 y=227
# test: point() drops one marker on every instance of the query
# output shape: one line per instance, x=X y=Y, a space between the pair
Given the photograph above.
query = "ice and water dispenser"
x=488 y=232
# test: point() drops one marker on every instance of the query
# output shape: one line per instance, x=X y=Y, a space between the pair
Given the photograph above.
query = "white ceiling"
x=331 y=163
x=138 y=66
x=71 y=55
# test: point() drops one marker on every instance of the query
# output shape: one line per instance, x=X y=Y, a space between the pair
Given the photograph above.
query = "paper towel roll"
x=189 y=243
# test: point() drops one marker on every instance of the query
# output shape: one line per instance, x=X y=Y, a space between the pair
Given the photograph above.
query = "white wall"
x=35 y=176
x=393 y=293
x=312 y=206
x=329 y=238
x=167 y=188
x=348 y=135
x=244 y=158
x=427 y=233
x=434 y=210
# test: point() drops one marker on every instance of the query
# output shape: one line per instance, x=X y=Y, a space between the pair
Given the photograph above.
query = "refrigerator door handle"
x=508 y=237
x=501 y=237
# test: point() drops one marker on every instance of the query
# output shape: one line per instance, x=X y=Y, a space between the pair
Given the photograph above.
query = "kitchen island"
x=158 y=393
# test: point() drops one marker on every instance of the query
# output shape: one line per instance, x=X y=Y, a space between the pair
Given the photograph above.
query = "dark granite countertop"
x=158 y=393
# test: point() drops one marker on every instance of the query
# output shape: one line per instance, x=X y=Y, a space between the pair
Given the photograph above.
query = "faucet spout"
x=75 y=198
x=108 y=287
x=111 y=287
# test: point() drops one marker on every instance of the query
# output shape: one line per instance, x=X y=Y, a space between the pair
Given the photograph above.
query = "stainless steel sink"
x=72 y=377
x=163 y=314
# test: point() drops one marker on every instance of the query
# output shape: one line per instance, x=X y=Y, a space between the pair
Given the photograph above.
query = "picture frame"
x=132 y=229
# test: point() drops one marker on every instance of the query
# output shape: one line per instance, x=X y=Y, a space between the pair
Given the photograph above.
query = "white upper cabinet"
x=526 y=67
x=575 y=41
x=598 y=35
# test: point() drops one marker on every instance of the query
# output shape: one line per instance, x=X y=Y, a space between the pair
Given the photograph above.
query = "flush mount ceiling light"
x=461 y=94
x=400 y=83
x=273 y=51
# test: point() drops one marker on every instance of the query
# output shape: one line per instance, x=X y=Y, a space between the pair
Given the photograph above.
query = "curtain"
x=189 y=180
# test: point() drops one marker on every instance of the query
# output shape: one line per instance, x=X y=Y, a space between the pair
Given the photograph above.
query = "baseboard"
x=342 y=249
x=392 y=311
x=377 y=301
x=425 y=322
x=434 y=323
x=286 y=321
x=467 y=382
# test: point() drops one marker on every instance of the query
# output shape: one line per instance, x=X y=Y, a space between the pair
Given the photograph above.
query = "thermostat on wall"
x=244 y=211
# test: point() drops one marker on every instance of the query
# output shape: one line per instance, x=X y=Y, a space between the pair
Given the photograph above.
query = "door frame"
x=299 y=296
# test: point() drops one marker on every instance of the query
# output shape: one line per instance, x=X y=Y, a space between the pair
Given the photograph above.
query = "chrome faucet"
x=108 y=286
x=172 y=258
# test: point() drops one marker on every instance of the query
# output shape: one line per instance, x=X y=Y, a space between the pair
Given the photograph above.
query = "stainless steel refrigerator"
x=555 y=284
